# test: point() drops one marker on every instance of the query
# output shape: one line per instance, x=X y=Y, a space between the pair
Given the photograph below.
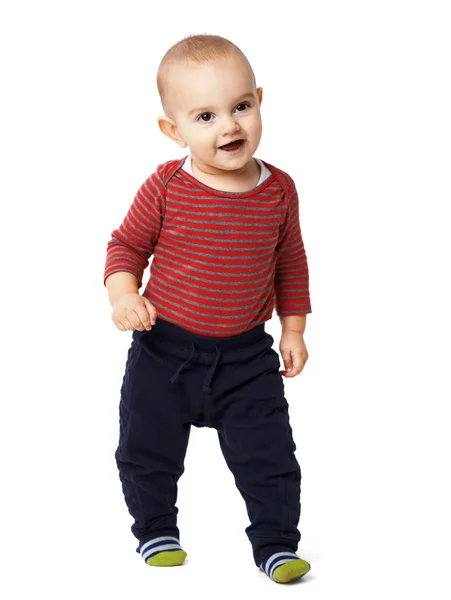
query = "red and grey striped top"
x=222 y=261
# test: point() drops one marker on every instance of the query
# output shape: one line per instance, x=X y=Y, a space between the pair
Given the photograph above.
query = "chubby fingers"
x=294 y=361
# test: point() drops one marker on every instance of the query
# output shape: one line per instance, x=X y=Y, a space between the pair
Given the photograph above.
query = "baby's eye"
x=245 y=104
x=203 y=115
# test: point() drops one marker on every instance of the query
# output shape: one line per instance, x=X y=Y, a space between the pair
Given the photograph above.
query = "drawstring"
x=174 y=378
x=206 y=386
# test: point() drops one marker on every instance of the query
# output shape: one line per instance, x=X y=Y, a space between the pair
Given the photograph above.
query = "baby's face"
x=213 y=104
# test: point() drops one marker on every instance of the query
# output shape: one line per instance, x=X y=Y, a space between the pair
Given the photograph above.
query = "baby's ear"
x=169 y=128
x=260 y=94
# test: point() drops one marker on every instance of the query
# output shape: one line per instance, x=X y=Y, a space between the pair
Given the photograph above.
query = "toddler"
x=223 y=229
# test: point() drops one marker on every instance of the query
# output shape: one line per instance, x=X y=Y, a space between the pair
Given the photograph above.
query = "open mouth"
x=233 y=146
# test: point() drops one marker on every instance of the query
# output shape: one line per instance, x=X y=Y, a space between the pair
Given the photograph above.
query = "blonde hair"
x=199 y=48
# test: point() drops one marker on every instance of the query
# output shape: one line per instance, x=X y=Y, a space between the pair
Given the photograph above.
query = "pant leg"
x=152 y=442
x=257 y=443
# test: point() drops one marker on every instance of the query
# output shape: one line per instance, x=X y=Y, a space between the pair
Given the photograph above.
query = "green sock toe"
x=167 y=559
x=291 y=570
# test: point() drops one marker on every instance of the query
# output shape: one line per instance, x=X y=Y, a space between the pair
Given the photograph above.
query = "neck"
x=246 y=171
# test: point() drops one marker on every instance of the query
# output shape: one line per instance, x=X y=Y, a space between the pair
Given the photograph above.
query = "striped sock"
x=163 y=552
x=283 y=567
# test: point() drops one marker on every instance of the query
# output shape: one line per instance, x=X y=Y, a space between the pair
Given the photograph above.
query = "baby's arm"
x=120 y=283
x=291 y=280
x=133 y=243
x=292 y=289
x=130 y=310
x=293 y=323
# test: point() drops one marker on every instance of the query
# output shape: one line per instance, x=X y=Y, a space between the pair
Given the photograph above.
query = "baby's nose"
x=229 y=125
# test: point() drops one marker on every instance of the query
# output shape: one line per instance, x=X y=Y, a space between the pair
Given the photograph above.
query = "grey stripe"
x=120 y=256
x=141 y=234
x=223 y=233
x=241 y=308
x=163 y=197
x=294 y=297
x=283 y=266
x=147 y=194
x=261 y=288
x=241 y=317
x=235 y=223
x=223 y=214
x=188 y=240
x=227 y=282
x=220 y=265
x=276 y=204
x=143 y=215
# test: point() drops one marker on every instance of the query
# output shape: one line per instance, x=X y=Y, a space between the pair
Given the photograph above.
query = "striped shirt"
x=222 y=261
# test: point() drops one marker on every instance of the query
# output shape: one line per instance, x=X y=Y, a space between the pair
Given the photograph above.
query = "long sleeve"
x=291 y=281
x=132 y=244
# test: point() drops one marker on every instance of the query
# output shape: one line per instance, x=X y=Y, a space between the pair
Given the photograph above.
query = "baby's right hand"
x=133 y=311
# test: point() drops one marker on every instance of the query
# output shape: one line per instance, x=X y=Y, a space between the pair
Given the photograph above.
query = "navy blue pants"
x=174 y=379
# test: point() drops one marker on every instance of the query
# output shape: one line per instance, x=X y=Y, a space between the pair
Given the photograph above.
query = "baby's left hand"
x=294 y=352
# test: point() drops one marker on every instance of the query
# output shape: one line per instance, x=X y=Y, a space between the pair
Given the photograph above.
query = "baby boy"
x=223 y=229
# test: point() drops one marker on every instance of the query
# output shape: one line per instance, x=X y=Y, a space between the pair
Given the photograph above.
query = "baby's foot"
x=163 y=552
x=284 y=567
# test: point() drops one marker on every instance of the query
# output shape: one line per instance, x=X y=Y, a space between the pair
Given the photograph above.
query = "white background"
x=356 y=107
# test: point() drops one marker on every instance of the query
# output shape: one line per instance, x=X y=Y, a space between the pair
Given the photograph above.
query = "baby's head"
x=209 y=95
